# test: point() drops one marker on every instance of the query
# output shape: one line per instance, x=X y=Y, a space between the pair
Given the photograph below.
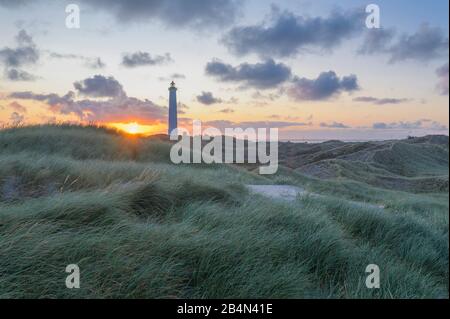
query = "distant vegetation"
x=140 y=227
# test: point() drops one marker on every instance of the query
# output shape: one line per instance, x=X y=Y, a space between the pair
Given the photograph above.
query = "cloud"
x=19 y=75
x=92 y=63
x=286 y=34
x=289 y=118
x=233 y=100
x=327 y=85
x=442 y=74
x=420 y=124
x=377 y=41
x=334 y=125
x=51 y=99
x=56 y=55
x=95 y=63
x=182 y=108
x=100 y=86
x=172 y=13
x=426 y=44
x=207 y=98
x=121 y=109
x=116 y=109
x=132 y=60
x=382 y=101
x=23 y=38
x=266 y=97
x=14 y=3
x=173 y=76
x=227 y=111
x=18 y=107
x=264 y=75
x=26 y=53
x=258 y=103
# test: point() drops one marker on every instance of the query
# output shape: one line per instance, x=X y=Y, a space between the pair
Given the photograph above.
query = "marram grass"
x=139 y=227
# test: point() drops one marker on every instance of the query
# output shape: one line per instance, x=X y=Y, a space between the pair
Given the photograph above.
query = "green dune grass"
x=140 y=227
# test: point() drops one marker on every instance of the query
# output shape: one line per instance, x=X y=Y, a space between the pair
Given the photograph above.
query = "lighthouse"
x=173 y=122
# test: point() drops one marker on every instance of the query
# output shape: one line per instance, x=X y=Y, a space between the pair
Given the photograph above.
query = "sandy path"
x=284 y=192
x=290 y=193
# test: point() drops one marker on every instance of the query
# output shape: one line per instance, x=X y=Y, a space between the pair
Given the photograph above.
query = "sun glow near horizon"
x=134 y=128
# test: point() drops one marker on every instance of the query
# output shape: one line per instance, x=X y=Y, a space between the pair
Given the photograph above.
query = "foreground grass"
x=139 y=227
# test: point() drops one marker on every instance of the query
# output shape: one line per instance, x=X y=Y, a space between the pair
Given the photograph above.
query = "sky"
x=312 y=69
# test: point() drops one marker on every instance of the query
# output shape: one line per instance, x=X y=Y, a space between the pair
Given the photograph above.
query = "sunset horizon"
x=363 y=84
x=214 y=158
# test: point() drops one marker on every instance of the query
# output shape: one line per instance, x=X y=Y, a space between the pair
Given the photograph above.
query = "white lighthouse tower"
x=173 y=114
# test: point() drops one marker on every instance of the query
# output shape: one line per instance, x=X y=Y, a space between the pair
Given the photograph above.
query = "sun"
x=134 y=128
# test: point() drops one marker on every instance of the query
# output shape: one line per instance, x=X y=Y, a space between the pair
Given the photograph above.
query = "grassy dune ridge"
x=140 y=227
